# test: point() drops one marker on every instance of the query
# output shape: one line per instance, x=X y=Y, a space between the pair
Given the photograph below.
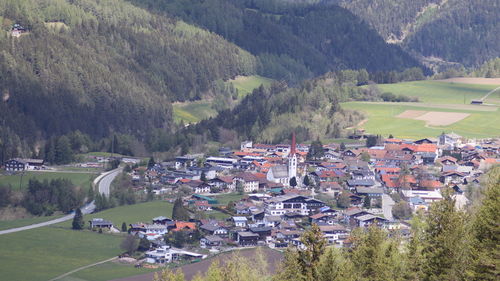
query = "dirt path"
x=361 y=123
x=82 y=268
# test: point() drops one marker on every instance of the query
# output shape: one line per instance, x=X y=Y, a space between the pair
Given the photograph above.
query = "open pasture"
x=440 y=92
x=383 y=119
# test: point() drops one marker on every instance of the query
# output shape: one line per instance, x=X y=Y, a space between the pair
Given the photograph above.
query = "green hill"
x=292 y=42
x=101 y=67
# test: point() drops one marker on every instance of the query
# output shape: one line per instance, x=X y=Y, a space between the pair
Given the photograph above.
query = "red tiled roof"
x=181 y=225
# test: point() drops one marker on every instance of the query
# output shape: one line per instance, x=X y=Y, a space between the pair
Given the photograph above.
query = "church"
x=284 y=173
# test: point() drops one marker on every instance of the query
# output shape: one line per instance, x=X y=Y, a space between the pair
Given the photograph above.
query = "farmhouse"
x=20 y=164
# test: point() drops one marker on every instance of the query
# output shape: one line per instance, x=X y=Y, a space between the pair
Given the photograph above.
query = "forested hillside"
x=465 y=31
x=101 y=67
x=292 y=42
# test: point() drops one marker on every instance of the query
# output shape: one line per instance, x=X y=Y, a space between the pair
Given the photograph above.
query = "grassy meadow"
x=47 y=252
x=246 y=84
x=195 y=111
x=106 y=271
x=438 y=92
x=54 y=250
x=434 y=96
x=78 y=179
x=23 y=222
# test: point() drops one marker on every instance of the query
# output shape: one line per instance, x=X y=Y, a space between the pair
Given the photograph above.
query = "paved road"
x=387 y=204
x=104 y=183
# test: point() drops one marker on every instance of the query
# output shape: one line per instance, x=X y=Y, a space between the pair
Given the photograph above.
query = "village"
x=269 y=194
x=280 y=190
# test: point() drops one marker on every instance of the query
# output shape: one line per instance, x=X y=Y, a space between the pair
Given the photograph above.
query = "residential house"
x=249 y=181
x=246 y=238
x=20 y=164
x=334 y=234
x=165 y=254
x=211 y=241
x=100 y=223
x=372 y=192
x=214 y=228
x=240 y=221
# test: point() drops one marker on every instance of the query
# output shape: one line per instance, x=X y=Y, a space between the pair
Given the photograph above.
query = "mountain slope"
x=102 y=66
x=464 y=31
x=292 y=42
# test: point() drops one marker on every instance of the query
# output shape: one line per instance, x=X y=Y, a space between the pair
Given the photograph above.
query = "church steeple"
x=292 y=159
x=293 y=149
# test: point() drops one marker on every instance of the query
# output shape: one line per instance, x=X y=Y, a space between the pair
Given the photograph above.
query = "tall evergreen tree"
x=306 y=181
x=445 y=242
x=78 y=222
x=293 y=182
x=179 y=212
x=486 y=232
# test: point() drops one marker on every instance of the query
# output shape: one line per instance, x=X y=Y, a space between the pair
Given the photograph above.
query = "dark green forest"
x=292 y=42
x=102 y=67
x=465 y=31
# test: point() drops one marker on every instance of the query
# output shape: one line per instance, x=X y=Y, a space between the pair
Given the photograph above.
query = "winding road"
x=103 y=181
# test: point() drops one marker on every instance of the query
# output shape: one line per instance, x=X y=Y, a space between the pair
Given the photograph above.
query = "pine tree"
x=78 y=222
x=124 y=227
x=203 y=177
x=179 y=212
x=306 y=181
x=342 y=146
x=90 y=194
x=414 y=250
x=369 y=254
x=333 y=266
x=445 y=241
x=293 y=182
x=151 y=163
x=314 y=246
x=291 y=269
x=486 y=232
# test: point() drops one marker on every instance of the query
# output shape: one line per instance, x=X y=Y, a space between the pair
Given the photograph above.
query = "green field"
x=192 y=112
x=47 y=252
x=24 y=222
x=106 y=271
x=442 y=92
x=246 y=84
x=434 y=96
x=223 y=199
x=78 y=179
x=382 y=120
x=142 y=212
x=195 y=111
x=51 y=251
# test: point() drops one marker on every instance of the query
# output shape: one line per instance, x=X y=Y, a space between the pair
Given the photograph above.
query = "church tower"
x=292 y=159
